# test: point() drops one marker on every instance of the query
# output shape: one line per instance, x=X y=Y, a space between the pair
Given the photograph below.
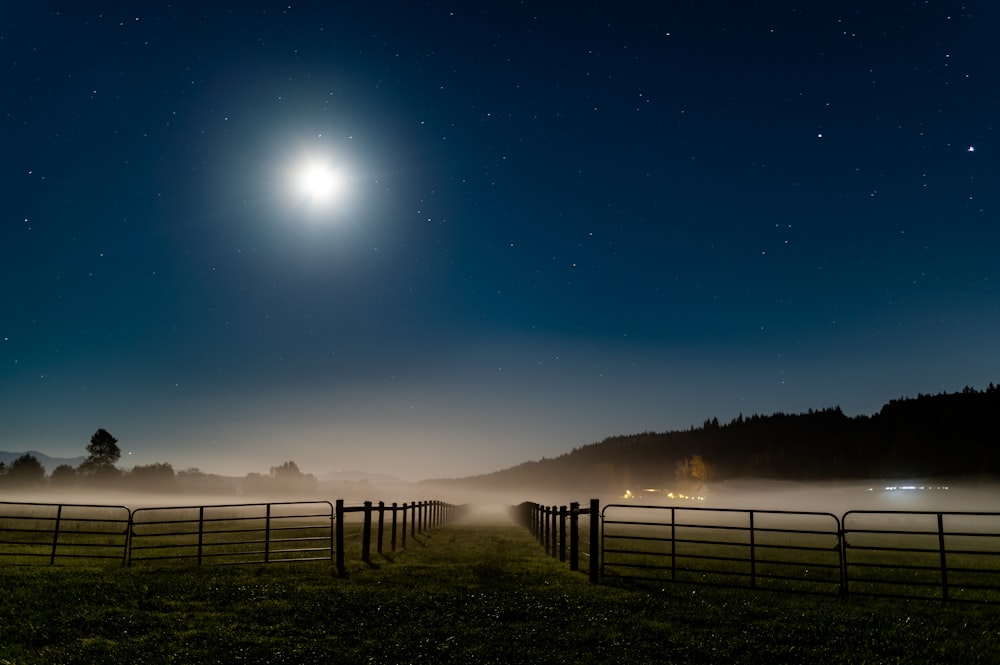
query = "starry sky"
x=554 y=222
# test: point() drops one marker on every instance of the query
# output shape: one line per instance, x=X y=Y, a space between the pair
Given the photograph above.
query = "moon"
x=319 y=184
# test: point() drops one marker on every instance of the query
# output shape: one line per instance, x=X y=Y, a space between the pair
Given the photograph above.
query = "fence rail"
x=34 y=531
x=911 y=554
x=945 y=555
x=250 y=533
x=233 y=533
x=780 y=550
x=907 y=554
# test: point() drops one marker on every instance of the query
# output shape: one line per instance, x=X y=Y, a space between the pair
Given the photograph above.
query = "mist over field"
x=836 y=497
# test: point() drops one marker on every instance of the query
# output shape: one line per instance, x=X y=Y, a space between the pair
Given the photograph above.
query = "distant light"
x=972 y=148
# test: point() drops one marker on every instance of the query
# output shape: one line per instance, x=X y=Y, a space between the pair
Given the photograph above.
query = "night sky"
x=547 y=223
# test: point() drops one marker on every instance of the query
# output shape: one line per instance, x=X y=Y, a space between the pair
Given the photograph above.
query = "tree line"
x=948 y=434
x=99 y=470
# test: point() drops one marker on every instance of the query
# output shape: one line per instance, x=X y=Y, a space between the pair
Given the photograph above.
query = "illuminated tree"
x=694 y=469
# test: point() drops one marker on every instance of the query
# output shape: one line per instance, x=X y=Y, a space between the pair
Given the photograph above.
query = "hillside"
x=930 y=435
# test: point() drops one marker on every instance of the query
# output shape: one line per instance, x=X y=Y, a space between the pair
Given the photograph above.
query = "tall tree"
x=102 y=453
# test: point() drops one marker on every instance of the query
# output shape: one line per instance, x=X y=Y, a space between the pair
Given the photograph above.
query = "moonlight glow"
x=319 y=183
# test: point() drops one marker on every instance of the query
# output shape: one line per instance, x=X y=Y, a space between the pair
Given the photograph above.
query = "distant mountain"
x=49 y=463
x=942 y=435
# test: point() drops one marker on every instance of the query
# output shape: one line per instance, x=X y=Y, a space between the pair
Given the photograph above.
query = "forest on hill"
x=943 y=435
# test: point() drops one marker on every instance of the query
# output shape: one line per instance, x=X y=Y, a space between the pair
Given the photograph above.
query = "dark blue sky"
x=561 y=221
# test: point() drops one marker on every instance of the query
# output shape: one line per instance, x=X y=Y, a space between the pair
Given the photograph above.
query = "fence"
x=216 y=534
x=233 y=533
x=945 y=555
x=780 y=550
x=549 y=525
x=907 y=554
x=35 y=531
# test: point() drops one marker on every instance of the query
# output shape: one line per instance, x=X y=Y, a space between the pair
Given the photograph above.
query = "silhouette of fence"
x=907 y=554
x=557 y=529
x=291 y=531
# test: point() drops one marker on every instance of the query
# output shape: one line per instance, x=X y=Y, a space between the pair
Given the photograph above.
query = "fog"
x=957 y=494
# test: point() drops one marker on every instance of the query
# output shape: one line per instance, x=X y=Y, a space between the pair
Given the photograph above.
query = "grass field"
x=471 y=592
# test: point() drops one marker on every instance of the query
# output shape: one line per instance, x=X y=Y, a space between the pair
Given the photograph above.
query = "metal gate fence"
x=773 y=549
x=945 y=555
x=33 y=532
x=234 y=533
x=290 y=531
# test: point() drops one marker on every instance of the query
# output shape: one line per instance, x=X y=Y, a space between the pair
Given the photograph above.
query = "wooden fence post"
x=393 y=538
x=574 y=535
x=555 y=530
x=545 y=527
x=340 y=538
x=403 y=530
x=381 y=525
x=562 y=533
x=366 y=534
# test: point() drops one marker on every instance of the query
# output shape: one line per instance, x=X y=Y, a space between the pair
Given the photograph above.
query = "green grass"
x=465 y=593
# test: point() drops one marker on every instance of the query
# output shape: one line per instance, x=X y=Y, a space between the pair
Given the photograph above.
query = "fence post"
x=540 y=523
x=55 y=535
x=562 y=533
x=267 y=533
x=555 y=531
x=127 y=554
x=366 y=533
x=340 y=538
x=403 y=530
x=944 y=561
x=545 y=527
x=381 y=525
x=574 y=535
x=201 y=531
x=333 y=537
x=753 y=555
x=673 y=543
x=413 y=519
x=393 y=537
x=595 y=531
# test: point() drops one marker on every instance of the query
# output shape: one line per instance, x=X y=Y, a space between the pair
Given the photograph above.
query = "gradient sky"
x=561 y=221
